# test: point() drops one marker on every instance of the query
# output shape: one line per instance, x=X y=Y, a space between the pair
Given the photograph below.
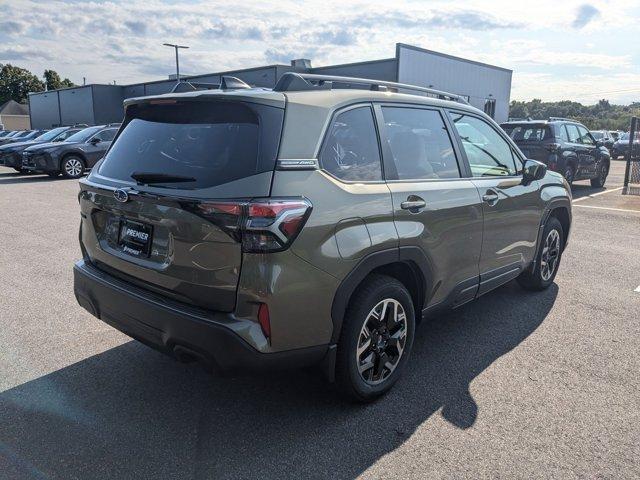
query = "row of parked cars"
x=569 y=148
x=69 y=151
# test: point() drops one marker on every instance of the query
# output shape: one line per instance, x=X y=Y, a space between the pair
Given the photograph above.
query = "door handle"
x=413 y=203
x=491 y=197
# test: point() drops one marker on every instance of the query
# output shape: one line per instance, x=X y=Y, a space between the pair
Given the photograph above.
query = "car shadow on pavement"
x=579 y=191
x=132 y=413
x=12 y=178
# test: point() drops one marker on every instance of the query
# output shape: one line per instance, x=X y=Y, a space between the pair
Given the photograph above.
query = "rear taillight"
x=264 y=320
x=262 y=225
x=553 y=147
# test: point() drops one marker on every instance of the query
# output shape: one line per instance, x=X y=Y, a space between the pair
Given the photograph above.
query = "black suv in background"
x=11 y=154
x=73 y=156
x=605 y=137
x=565 y=146
x=621 y=146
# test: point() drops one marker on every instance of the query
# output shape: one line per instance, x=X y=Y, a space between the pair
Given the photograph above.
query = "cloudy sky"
x=558 y=49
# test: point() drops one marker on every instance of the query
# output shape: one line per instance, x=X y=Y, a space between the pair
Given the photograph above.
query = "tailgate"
x=139 y=222
x=160 y=246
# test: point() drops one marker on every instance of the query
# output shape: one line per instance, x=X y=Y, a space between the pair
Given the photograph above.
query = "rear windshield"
x=213 y=142
x=597 y=135
x=528 y=133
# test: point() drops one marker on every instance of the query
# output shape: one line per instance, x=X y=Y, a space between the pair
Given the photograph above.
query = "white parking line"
x=596 y=194
x=637 y=289
x=608 y=208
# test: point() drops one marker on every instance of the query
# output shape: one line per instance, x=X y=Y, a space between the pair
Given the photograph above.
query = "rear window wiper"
x=146 y=178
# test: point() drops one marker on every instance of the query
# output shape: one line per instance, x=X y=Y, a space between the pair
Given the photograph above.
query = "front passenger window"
x=350 y=152
x=488 y=153
x=107 y=135
x=585 y=138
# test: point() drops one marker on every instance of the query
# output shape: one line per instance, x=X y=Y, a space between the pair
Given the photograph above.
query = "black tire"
x=537 y=277
x=72 y=166
x=569 y=174
x=382 y=339
x=603 y=171
x=53 y=174
x=18 y=169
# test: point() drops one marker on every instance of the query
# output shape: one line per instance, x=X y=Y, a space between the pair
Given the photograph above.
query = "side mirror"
x=533 y=170
x=94 y=141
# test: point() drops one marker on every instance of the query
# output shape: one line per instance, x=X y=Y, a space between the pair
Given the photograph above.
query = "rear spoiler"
x=227 y=83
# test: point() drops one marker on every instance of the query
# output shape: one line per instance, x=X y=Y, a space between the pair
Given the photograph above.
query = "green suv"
x=313 y=224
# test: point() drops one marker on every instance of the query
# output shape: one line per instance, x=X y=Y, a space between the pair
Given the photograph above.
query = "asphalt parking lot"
x=514 y=385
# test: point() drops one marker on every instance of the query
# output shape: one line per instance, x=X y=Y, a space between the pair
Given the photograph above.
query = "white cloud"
x=118 y=40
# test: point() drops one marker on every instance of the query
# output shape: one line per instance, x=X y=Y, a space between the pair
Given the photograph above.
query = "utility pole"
x=176 y=47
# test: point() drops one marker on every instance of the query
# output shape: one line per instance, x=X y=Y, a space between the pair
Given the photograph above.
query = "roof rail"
x=227 y=82
x=520 y=119
x=295 y=82
x=562 y=119
x=116 y=124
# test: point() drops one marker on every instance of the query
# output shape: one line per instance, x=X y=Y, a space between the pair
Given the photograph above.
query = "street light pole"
x=176 y=47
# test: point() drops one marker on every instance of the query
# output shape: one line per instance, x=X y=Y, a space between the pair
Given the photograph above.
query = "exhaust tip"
x=186 y=355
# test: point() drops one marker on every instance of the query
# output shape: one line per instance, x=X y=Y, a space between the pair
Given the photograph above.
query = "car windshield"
x=51 y=134
x=83 y=135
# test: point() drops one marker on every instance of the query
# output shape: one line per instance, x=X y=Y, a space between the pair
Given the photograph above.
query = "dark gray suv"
x=309 y=224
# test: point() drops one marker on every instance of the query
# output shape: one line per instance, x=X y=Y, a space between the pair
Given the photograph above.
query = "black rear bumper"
x=177 y=330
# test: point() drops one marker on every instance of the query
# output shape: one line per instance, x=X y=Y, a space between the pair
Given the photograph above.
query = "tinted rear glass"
x=212 y=142
x=528 y=133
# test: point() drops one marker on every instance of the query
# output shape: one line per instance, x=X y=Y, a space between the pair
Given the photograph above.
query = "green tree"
x=54 y=82
x=602 y=115
x=16 y=83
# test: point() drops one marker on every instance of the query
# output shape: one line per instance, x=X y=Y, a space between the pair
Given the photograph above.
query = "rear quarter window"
x=350 y=150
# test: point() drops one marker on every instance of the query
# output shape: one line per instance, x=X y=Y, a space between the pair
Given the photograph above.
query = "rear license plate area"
x=134 y=238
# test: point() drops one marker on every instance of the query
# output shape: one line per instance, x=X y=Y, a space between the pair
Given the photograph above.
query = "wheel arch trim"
x=413 y=256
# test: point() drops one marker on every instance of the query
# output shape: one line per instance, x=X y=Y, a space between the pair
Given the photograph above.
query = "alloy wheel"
x=381 y=341
x=73 y=167
x=603 y=173
x=550 y=255
x=568 y=175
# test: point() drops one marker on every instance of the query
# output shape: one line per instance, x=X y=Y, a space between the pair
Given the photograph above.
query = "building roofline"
x=88 y=85
x=446 y=55
x=200 y=75
x=355 y=64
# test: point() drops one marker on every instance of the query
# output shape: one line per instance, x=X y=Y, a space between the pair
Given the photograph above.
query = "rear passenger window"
x=562 y=133
x=574 y=135
x=350 y=151
x=420 y=144
x=488 y=153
